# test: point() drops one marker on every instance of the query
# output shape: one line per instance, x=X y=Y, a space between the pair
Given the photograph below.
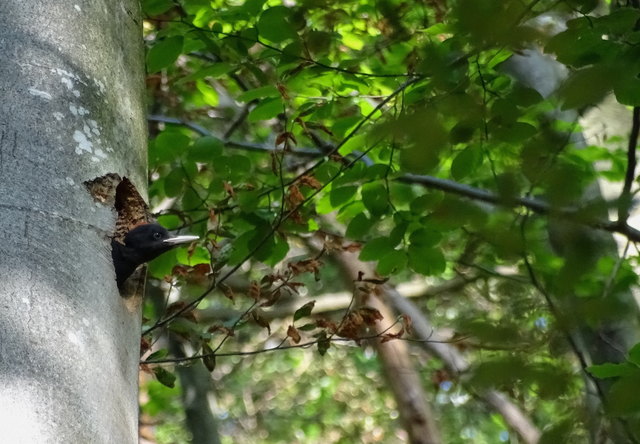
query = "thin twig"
x=304 y=345
x=193 y=304
x=448 y=186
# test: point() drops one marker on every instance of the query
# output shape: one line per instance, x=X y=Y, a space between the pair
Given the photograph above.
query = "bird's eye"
x=157 y=235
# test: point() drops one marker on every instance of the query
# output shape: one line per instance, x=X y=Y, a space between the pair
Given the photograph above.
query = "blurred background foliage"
x=435 y=140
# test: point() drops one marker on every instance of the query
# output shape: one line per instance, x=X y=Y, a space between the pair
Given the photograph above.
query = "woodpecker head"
x=149 y=241
x=142 y=244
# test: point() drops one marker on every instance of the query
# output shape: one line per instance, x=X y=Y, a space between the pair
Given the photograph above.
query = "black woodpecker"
x=142 y=244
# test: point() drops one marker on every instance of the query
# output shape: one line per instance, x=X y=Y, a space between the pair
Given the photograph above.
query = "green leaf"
x=326 y=172
x=258 y=93
x=205 y=149
x=168 y=146
x=425 y=238
x=184 y=327
x=514 y=132
x=278 y=249
x=634 y=354
x=248 y=200
x=461 y=133
x=623 y=396
x=308 y=327
x=323 y=343
x=163 y=352
x=341 y=195
x=199 y=255
x=235 y=167
x=304 y=311
x=498 y=372
x=375 y=198
x=274 y=24
x=266 y=109
x=174 y=182
x=319 y=42
x=392 y=263
x=203 y=17
x=191 y=200
x=619 y=21
x=377 y=171
x=438 y=28
x=610 y=370
x=525 y=97
x=465 y=162
x=163 y=265
x=354 y=174
x=359 y=226
x=376 y=249
x=577 y=47
x=249 y=241
x=426 y=139
x=323 y=205
x=397 y=234
x=453 y=212
x=253 y=7
x=586 y=87
x=426 y=202
x=170 y=221
x=209 y=94
x=214 y=71
x=164 y=53
x=344 y=124
x=210 y=359
x=427 y=261
x=165 y=377
x=241 y=247
x=156 y=7
x=626 y=87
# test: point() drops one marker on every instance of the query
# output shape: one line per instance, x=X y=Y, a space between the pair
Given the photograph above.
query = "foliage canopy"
x=286 y=132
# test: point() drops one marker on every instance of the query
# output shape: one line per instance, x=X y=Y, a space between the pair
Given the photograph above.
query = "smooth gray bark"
x=72 y=89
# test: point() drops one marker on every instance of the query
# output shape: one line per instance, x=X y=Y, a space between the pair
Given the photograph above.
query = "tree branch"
x=329 y=302
x=624 y=202
x=457 y=364
x=535 y=205
x=247 y=146
x=448 y=186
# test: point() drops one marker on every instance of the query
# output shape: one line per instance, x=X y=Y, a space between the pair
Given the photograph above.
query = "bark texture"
x=72 y=87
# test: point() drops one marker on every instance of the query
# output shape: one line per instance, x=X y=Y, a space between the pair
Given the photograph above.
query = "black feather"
x=141 y=245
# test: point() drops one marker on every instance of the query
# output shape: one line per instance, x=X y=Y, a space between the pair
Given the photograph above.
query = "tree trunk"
x=72 y=109
x=404 y=381
x=581 y=247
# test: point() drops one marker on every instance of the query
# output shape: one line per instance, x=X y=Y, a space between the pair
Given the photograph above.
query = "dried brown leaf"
x=407 y=322
x=293 y=333
x=260 y=320
x=254 y=291
x=228 y=292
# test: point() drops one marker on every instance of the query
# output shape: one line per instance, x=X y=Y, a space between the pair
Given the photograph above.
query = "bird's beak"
x=179 y=240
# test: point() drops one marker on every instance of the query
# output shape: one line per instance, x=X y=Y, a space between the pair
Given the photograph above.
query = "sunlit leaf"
x=274 y=24
x=164 y=53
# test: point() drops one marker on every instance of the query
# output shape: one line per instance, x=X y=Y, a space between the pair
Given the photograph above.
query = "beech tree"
x=438 y=140
x=72 y=111
x=387 y=142
x=402 y=231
